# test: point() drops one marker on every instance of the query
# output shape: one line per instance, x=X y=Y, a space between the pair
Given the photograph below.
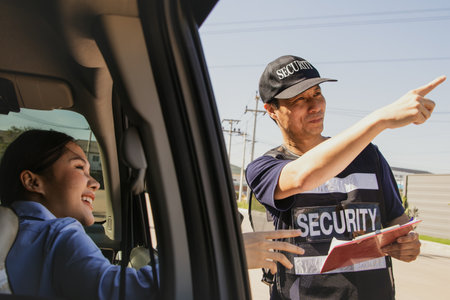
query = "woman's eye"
x=80 y=167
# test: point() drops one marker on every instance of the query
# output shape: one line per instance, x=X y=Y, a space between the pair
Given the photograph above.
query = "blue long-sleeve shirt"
x=54 y=257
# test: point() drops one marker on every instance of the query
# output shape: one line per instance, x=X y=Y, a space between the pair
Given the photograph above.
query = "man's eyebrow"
x=297 y=97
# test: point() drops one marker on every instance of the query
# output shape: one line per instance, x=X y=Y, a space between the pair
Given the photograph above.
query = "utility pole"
x=88 y=150
x=241 y=183
x=230 y=132
x=255 y=112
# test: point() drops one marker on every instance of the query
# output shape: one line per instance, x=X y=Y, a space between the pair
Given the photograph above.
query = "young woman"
x=44 y=178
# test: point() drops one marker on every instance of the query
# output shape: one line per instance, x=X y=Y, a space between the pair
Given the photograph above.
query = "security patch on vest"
x=322 y=223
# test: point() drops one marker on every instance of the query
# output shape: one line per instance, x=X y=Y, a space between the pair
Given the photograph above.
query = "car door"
x=154 y=83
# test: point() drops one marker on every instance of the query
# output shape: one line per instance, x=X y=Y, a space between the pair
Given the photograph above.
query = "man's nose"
x=315 y=105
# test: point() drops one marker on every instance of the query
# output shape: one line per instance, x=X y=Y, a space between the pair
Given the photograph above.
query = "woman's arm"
x=82 y=272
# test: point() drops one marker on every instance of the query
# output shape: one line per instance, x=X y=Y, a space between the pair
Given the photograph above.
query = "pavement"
x=425 y=278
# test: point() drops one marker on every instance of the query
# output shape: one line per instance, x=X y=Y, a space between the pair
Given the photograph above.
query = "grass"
x=434 y=239
x=255 y=205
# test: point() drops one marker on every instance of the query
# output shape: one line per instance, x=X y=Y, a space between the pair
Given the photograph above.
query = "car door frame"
x=168 y=97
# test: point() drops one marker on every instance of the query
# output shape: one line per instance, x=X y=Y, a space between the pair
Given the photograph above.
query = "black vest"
x=328 y=212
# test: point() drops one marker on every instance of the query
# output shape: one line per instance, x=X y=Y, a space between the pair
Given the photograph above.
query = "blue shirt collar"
x=32 y=209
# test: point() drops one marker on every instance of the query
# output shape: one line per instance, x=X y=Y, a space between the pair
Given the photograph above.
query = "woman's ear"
x=31 y=182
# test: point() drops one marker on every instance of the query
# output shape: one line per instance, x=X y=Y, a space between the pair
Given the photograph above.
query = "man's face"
x=302 y=115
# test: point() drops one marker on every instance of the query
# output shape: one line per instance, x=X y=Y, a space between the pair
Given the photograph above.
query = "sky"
x=377 y=50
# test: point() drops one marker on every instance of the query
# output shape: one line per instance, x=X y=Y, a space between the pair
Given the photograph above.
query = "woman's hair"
x=34 y=150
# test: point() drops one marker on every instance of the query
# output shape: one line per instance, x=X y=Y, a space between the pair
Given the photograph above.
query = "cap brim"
x=301 y=87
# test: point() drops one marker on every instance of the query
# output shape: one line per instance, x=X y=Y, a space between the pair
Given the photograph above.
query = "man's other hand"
x=259 y=249
x=406 y=248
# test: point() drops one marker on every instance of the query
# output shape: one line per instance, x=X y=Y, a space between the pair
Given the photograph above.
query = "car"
x=129 y=80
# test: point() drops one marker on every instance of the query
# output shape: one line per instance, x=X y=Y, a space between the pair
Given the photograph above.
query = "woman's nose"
x=93 y=184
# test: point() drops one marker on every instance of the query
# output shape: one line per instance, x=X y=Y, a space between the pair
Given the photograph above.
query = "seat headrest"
x=9 y=226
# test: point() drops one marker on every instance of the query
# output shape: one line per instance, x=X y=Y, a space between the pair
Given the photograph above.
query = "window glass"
x=71 y=123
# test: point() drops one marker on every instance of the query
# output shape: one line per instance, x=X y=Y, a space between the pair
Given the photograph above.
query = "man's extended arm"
x=330 y=157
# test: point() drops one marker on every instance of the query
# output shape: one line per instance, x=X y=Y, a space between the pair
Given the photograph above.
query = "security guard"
x=331 y=187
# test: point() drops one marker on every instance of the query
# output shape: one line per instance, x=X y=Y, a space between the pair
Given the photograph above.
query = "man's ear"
x=31 y=182
x=270 y=108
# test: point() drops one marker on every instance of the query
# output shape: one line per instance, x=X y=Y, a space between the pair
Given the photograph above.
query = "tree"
x=9 y=135
x=411 y=212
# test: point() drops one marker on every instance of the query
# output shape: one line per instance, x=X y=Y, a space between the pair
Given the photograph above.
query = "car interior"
x=128 y=80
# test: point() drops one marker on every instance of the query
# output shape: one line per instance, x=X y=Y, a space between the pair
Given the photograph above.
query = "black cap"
x=288 y=76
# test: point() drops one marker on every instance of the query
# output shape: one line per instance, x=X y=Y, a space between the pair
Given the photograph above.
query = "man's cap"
x=288 y=76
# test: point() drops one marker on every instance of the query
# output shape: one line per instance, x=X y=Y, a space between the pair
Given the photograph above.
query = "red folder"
x=364 y=247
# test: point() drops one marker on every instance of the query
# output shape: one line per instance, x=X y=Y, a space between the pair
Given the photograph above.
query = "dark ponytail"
x=34 y=150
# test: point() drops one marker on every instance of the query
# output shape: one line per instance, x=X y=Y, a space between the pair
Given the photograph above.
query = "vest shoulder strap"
x=281 y=152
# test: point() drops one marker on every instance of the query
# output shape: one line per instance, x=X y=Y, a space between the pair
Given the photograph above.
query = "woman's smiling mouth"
x=88 y=201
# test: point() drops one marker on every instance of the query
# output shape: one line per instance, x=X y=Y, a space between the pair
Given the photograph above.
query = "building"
x=92 y=152
x=400 y=176
x=430 y=195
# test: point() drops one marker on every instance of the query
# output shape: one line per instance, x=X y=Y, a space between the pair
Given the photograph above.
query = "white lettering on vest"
x=363 y=212
x=357 y=220
x=303 y=226
x=338 y=229
x=325 y=223
x=373 y=215
x=350 y=214
x=326 y=231
x=313 y=223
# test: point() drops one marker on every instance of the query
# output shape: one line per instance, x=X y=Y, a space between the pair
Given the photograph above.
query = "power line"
x=325 y=25
x=335 y=62
x=335 y=109
x=384 y=60
x=362 y=113
x=265 y=21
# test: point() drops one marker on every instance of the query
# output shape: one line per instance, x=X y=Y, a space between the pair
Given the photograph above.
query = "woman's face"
x=68 y=189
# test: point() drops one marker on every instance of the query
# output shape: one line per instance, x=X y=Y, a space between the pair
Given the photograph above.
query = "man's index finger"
x=424 y=90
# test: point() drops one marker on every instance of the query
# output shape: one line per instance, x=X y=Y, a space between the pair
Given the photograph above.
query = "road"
x=425 y=278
